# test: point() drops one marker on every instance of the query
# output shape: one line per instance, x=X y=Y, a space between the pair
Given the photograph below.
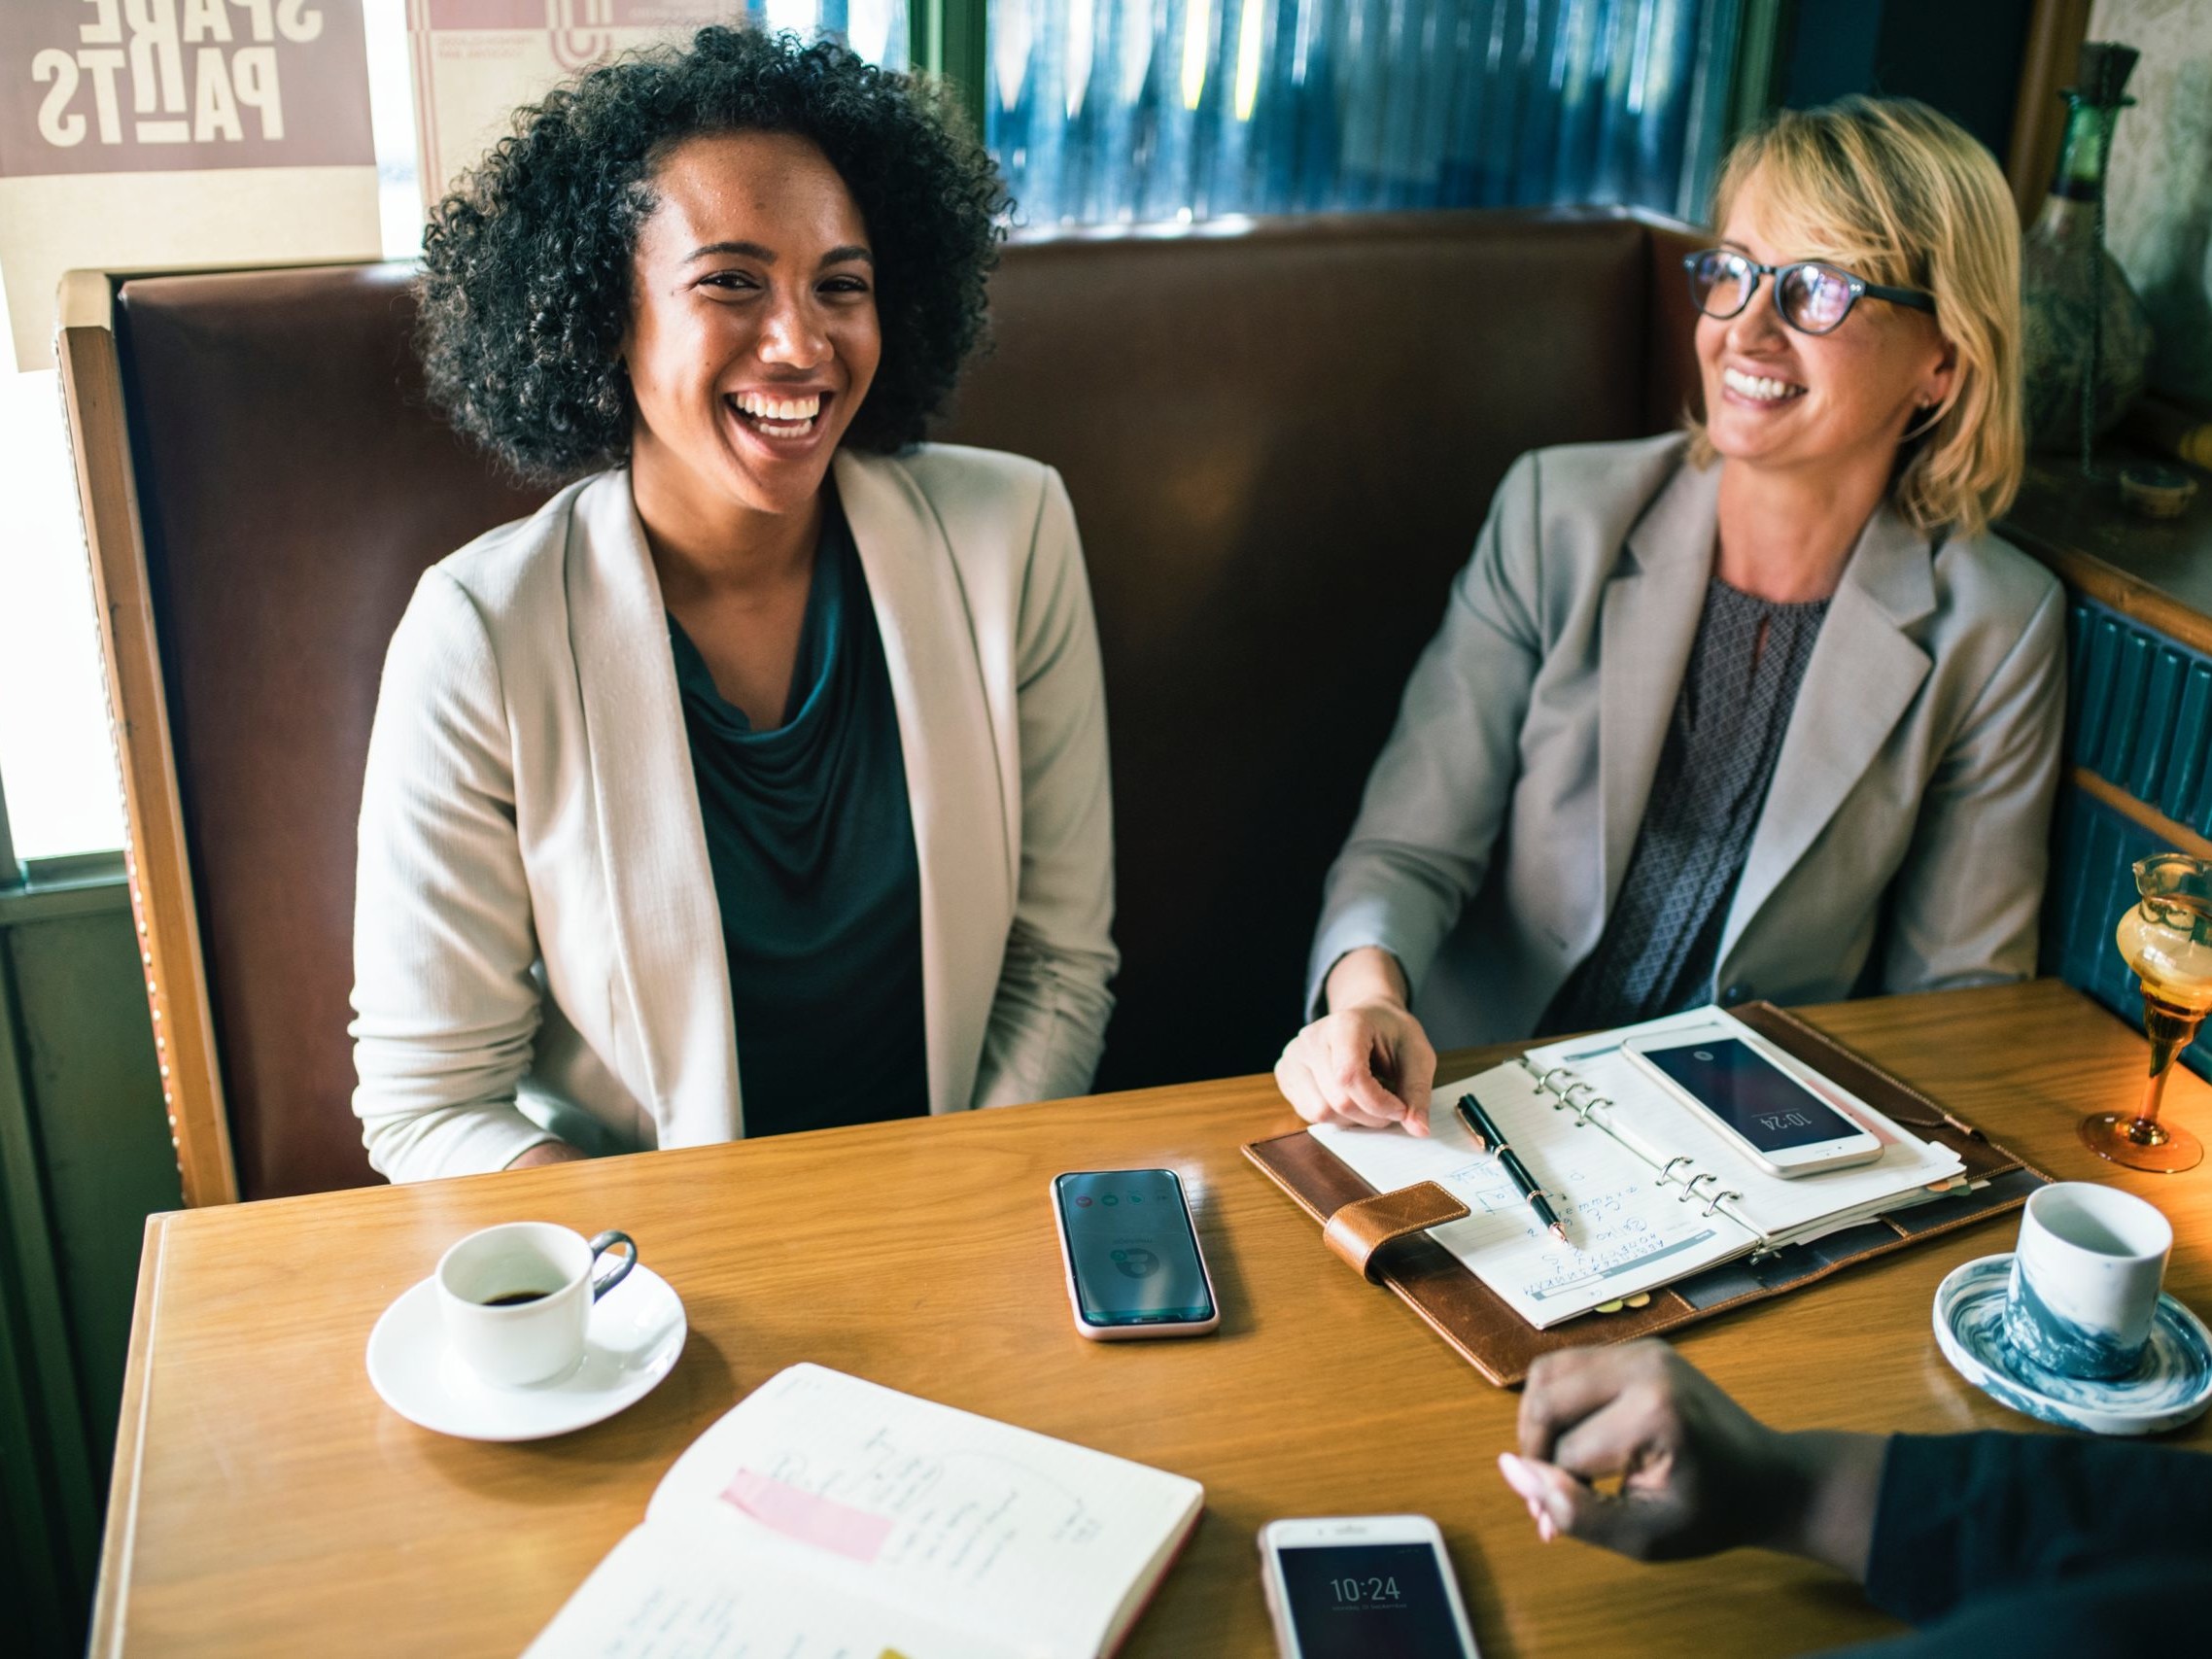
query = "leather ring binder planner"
x=1743 y=1241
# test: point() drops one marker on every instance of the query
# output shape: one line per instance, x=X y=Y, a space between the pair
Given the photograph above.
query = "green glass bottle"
x=2071 y=289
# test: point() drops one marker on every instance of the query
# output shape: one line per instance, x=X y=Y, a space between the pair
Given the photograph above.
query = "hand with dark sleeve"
x=2024 y=1544
x=1698 y=1473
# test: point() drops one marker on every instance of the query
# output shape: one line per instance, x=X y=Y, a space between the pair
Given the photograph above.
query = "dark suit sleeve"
x=1962 y=1517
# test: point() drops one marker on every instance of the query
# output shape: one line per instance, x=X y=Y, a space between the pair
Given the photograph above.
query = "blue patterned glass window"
x=1139 y=111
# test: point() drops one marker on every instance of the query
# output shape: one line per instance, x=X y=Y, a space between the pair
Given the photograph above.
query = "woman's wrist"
x=543 y=1152
x=1827 y=1488
x=1365 y=977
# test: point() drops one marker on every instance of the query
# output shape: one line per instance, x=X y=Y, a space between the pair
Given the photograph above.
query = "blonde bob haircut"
x=1891 y=190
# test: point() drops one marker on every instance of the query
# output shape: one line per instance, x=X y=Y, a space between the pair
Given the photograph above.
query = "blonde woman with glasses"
x=1759 y=710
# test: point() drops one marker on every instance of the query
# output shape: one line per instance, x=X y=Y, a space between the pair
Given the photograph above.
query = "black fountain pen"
x=1488 y=1139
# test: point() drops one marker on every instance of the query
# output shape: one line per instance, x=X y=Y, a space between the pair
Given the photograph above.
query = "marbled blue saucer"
x=2171 y=1385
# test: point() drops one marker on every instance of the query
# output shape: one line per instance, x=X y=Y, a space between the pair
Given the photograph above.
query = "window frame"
x=10 y=872
x=951 y=38
x=21 y=875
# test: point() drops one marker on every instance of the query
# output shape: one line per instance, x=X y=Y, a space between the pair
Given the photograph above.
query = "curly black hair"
x=526 y=283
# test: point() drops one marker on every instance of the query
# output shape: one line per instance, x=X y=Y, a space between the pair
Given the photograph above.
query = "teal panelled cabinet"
x=2137 y=775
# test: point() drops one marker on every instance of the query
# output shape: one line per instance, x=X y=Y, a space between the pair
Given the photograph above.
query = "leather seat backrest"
x=1280 y=448
x=293 y=488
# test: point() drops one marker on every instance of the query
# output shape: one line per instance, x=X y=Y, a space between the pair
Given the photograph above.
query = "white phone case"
x=1127 y=1332
x=1354 y=1529
x=1637 y=1054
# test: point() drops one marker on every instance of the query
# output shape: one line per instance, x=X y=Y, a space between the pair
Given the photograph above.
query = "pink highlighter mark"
x=822 y=1522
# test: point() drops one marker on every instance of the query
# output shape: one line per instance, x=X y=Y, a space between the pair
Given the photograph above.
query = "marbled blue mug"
x=2085 y=1279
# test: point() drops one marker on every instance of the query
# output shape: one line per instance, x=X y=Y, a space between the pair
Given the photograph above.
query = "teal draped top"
x=810 y=840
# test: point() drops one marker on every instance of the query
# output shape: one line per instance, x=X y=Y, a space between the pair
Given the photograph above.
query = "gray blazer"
x=1910 y=806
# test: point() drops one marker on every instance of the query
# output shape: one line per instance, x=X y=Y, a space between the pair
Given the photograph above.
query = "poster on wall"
x=478 y=62
x=138 y=133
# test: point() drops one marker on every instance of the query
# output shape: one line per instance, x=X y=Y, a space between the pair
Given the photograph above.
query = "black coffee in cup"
x=516 y=1300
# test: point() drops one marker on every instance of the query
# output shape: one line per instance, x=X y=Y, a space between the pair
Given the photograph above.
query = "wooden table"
x=265 y=1502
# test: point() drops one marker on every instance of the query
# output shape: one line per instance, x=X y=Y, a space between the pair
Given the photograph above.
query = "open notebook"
x=824 y=1518
x=1649 y=1193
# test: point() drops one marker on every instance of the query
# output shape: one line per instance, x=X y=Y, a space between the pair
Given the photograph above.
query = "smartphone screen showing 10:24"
x=1367 y=1600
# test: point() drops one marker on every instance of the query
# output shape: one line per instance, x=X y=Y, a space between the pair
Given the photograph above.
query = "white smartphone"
x=1363 y=1587
x=1133 y=1263
x=1749 y=1091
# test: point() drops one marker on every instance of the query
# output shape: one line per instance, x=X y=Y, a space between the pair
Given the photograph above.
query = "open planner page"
x=1625 y=1233
x=1041 y=1546
x=1780 y=1209
x=671 y=1592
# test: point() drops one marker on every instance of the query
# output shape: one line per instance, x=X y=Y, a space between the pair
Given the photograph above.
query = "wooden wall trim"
x=155 y=858
x=2056 y=31
x=2088 y=575
x=2178 y=836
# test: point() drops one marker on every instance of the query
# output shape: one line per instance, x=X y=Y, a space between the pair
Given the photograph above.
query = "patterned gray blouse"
x=1657 y=953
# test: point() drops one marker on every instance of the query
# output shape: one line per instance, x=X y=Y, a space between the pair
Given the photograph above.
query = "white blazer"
x=538 y=947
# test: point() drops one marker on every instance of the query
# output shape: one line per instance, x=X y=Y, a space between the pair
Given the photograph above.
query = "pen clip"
x=1465 y=1107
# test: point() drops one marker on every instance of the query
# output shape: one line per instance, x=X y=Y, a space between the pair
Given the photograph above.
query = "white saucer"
x=2170 y=1385
x=637 y=1332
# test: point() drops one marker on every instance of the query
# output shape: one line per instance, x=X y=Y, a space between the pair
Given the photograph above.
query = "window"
x=1140 y=111
x=57 y=779
x=56 y=763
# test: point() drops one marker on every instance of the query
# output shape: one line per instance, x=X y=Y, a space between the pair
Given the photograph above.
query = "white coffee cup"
x=2085 y=1282
x=516 y=1300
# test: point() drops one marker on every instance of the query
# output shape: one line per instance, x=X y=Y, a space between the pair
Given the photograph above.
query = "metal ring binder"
x=1667 y=1174
x=1544 y=1081
x=1580 y=1106
x=1719 y=1198
x=1690 y=1187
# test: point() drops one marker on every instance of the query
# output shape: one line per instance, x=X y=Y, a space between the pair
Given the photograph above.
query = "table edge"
x=112 y=1589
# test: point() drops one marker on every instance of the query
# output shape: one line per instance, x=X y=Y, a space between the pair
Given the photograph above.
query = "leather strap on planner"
x=1358 y=1230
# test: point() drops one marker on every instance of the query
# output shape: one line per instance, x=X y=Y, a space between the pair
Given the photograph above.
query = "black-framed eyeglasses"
x=1812 y=298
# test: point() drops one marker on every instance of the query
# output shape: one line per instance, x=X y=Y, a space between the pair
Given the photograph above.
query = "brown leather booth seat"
x=1280 y=442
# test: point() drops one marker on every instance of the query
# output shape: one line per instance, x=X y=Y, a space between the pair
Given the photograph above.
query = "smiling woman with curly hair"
x=758 y=780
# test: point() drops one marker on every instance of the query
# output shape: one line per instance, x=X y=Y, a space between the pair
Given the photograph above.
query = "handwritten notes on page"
x=668 y=1593
x=1047 y=1547
x=1625 y=1230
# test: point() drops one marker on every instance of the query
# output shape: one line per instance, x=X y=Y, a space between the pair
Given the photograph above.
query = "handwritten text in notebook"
x=947 y=1513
